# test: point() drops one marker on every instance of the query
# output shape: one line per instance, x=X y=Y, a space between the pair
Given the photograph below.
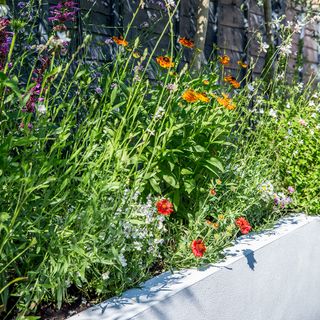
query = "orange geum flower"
x=235 y=84
x=120 y=41
x=205 y=82
x=186 y=43
x=242 y=64
x=224 y=60
x=203 y=97
x=165 y=62
x=232 y=80
x=226 y=102
x=190 y=96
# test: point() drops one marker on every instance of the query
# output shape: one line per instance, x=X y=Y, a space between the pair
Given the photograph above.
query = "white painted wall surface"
x=274 y=275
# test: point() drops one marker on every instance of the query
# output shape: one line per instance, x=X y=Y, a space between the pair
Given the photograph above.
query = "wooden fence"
x=231 y=29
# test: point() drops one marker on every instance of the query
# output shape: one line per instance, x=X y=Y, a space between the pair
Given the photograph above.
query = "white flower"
x=285 y=49
x=288 y=106
x=314 y=115
x=312 y=104
x=137 y=245
x=42 y=109
x=172 y=87
x=63 y=36
x=123 y=260
x=267 y=189
x=151 y=132
x=105 y=275
x=250 y=87
x=264 y=47
x=171 y=3
x=273 y=113
x=160 y=113
x=159 y=241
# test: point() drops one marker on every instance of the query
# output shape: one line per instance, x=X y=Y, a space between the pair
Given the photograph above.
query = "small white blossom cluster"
x=159 y=113
x=267 y=190
x=141 y=225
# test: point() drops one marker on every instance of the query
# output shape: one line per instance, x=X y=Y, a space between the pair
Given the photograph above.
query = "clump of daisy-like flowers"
x=5 y=41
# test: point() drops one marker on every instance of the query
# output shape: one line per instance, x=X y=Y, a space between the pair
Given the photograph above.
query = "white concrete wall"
x=274 y=275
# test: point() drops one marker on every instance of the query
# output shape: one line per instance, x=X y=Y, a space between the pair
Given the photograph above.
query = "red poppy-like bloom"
x=243 y=225
x=164 y=207
x=198 y=248
x=213 y=192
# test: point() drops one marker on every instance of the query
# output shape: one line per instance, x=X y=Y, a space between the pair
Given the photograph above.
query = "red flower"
x=198 y=248
x=164 y=207
x=243 y=225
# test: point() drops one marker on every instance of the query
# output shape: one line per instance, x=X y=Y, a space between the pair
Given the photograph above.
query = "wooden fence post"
x=201 y=33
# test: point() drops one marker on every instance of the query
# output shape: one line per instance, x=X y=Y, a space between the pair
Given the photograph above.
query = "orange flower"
x=228 y=78
x=225 y=60
x=242 y=64
x=215 y=225
x=205 y=82
x=235 y=84
x=186 y=43
x=190 y=96
x=213 y=192
x=226 y=102
x=165 y=62
x=203 y=97
x=232 y=80
x=120 y=41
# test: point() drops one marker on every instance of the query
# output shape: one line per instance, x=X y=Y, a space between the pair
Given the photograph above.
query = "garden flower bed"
x=114 y=172
x=262 y=277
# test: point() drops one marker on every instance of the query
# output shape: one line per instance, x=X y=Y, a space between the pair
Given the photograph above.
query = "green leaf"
x=189 y=185
x=186 y=171
x=215 y=163
x=155 y=185
x=199 y=149
x=176 y=199
x=171 y=181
